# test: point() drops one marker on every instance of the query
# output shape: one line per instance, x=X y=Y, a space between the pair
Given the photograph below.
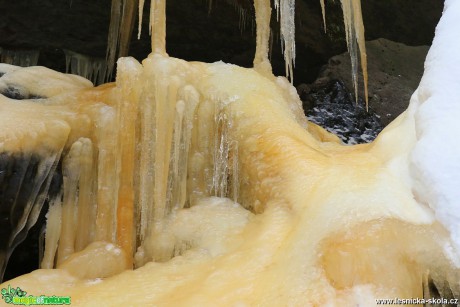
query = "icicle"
x=126 y=117
x=263 y=16
x=178 y=169
x=191 y=98
x=323 y=12
x=162 y=125
x=201 y=167
x=67 y=62
x=286 y=15
x=141 y=13
x=234 y=171
x=146 y=165
x=225 y=156
x=108 y=181
x=53 y=233
x=165 y=95
x=221 y=152
x=22 y=58
x=127 y=25
x=86 y=206
x=71 y=173
x=122 y=19
x=354 y=29
x=94 y=69
x=157 y=130
x=158 y=26
x=177 y=155
x=114 y=34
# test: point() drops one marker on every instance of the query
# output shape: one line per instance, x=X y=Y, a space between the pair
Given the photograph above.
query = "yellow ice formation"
x=208 y=180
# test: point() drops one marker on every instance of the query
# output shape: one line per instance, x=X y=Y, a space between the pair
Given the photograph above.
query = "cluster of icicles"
x=164 y=168
x=123 y=12
x=91 y=68
x=19 y=57
x=123 y=18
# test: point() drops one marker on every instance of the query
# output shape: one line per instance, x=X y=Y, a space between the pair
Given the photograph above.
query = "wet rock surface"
x=26 y=256
x=331 y=105
x=394 y=72
x=21 y=187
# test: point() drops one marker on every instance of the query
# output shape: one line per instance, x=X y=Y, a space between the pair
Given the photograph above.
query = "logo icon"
x=17 y=296
x=10 y=293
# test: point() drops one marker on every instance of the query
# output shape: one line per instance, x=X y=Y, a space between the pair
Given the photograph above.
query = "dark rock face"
x=408 y=22
x=394 y=72
x=24 y=188
x=26 y=256
x=330 y=105
x=196 y=34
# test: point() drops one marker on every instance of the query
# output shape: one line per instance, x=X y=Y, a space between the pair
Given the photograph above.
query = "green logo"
x=18 y=297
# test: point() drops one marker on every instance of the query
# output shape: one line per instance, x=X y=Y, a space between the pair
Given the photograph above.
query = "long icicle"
x=114 y=33
x=323 y=12
x=53 y=232
x=158 y=26
x=127 y=26
x=141 y=15
x=86 y=219
x=71 y=175
x=354 y=30
x=263 y=15
x=127 y=113
x=107 y=179
x=121 y=27
x=286 y=13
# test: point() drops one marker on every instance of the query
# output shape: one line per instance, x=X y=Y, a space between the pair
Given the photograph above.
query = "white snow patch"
x=435 y=160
